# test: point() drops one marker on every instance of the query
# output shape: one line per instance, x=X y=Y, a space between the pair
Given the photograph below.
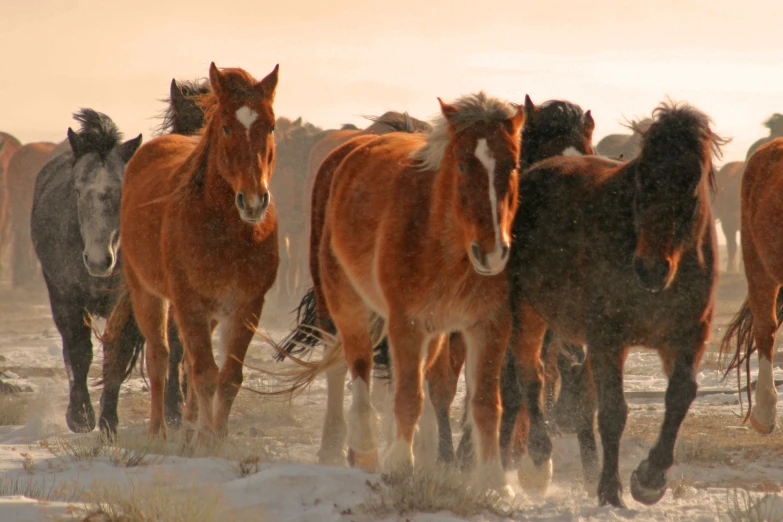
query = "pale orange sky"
x=344 y=58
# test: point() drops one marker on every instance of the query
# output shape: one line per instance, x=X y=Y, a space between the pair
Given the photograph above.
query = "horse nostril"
x=474 y=249
x=241 y=201
x=84 y=258
x=264 y=201
x=504 y=251
x=109 y=260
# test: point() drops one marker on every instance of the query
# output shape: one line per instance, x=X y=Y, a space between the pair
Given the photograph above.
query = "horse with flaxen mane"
x=74 y=226
x=416 y=230
x=612 y=255
x=199 y=232
x=624 y=146
x=755 y=325
x=727 y=207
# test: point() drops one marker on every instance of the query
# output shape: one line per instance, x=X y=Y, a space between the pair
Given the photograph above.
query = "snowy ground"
x=715 y=455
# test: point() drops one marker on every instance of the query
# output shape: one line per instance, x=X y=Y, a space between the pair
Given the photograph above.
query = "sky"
x=342 y=59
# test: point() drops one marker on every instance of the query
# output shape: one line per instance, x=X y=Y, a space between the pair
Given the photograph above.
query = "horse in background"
x=294 y=140
x=199 y=233
x=19 y=180
x=8 y=147
x=75 y=233
x=183 y=114
x=624 y=146
x=612 y=255
x=755 y=326
x=775 y=125
x=727 y=208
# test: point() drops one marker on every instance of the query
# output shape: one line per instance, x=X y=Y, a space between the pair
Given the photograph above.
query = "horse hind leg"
x=765 y=303
x=173 y=398
x=151 y=314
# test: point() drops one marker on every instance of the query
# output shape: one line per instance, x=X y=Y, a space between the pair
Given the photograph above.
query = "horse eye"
x=271 y=129
x=226 y=130
x=463 y=168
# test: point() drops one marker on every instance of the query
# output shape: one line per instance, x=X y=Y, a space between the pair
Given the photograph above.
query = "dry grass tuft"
x=155 y=501
x=433 y=490
x=13 y=409
x=38 y=488
x=746 y=507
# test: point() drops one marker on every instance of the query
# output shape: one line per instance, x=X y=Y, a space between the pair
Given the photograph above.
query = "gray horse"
x=75 y=232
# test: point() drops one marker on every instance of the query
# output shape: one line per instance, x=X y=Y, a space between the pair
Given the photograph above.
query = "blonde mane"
x=471 y=109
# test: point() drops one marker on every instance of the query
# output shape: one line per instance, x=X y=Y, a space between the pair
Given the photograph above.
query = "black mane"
x=554 y=119
x=187 y=118
x=775 y=124
x=98 y=133
x=401 y=122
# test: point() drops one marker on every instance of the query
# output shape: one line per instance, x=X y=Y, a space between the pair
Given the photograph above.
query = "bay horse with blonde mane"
x=612 y=255
x=417 y=231
x=756 y=324
x=199 y=232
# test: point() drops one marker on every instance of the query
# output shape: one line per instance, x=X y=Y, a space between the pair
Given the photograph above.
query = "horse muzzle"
x=252 y=209
x=653 y=275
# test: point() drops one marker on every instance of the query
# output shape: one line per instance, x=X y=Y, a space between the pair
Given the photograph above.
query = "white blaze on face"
x=484 y=155
x=571 y=151
x=246 y=116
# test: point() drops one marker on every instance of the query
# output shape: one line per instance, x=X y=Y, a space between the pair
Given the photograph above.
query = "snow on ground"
x=290 y=487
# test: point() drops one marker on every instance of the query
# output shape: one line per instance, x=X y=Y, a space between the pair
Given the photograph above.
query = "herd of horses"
x=495 y=238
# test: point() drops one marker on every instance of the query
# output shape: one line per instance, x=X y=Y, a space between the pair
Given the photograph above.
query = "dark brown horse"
x=727 y=207
x=756 y=324
x=612 y=255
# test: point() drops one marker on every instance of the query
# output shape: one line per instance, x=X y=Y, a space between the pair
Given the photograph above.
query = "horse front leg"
x=648 y=481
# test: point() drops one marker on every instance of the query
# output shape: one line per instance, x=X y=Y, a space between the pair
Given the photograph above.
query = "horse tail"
x=122 y=340
x=295 y=380
x=738 y=341
x=304 y=336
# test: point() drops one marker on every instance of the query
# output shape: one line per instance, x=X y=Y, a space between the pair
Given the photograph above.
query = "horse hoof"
x=535 y=478
x=364 y=461
x=764 y=430
x=108 y=428
x=80 y=421
x=645 y=494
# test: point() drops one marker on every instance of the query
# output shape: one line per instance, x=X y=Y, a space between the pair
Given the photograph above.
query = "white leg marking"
x=495 y=260
x=425 y=443
x=571 y=151
x=362 y=436
x=246 y=117
x=765 y=409
x=334 y=429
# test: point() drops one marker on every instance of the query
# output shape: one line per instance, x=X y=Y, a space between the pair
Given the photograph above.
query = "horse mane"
x=189 y=89
x=555 y=118
x=348 y=126
x=471 y=109
x=98 y=133
x=401 y=122
x=681 y=128
x=775 y=124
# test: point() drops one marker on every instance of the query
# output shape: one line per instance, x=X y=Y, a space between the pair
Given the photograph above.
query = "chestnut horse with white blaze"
x=755 y=325
x=199 y=231
x=417 y=231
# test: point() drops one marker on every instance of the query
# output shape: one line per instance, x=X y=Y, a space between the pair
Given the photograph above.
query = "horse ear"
x=518 y=120
x=216 y=80
x=449 y=111
x=530 y=107
x=75 y=142
x=128 y=149
x=589 y=122
x=175 y=93
x=268 y=85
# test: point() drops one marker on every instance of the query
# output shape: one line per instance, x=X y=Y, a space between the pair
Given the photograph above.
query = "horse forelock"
x=471 y=109
x=98 y=133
